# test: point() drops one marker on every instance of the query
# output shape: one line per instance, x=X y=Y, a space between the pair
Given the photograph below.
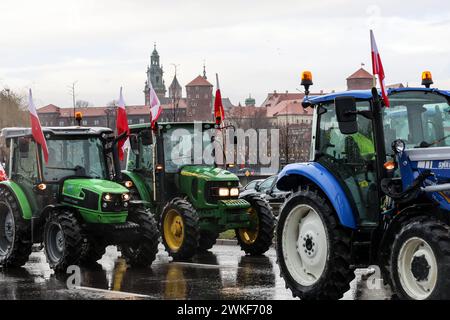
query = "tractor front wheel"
x=92 y=252
x=420 y=260
x=180 y=229
x=257 y=239
x=62 y=240
x=142 y=253
x=14 y=249
x=313 y=250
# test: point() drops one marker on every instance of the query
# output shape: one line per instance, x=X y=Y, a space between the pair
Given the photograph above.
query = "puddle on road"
x=223 y=274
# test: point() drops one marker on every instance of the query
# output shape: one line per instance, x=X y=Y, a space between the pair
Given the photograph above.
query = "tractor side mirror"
x=134 y=143
x=346 y=114
x=146 y=137
x=24 y=145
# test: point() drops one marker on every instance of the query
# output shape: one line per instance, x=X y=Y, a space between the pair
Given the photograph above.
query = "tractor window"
x=25 y=164
x=77 y=157
x=418 y=118
x=179 y=147
x=351 y=158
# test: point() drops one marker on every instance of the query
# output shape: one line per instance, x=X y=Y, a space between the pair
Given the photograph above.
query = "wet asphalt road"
x=224 y=273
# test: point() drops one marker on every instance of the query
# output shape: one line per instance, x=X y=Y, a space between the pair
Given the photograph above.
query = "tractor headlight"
x=126 y=197
x=234 y=192
x=224 y=192
x=128 y=184
x=398 y=146
x=107 y=197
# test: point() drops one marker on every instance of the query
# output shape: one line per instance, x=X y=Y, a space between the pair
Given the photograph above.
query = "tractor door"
x=142 y=161
x=351 y=159
x=25 y=170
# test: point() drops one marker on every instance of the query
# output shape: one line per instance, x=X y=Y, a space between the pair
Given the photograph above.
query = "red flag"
x=219 y=113
x=377 y=67
x=36 y=128
x=3 y=176
x=122 y=126
x=155 y=106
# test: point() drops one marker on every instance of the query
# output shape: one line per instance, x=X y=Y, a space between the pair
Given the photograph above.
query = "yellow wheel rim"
x=173 y=229
x=249 y=236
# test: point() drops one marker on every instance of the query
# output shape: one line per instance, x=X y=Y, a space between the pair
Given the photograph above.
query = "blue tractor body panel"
x=319 y=175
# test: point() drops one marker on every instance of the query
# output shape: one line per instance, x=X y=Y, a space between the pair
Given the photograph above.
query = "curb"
x=226 y=242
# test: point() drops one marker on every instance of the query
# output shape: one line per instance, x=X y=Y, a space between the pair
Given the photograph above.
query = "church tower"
x=155 y=77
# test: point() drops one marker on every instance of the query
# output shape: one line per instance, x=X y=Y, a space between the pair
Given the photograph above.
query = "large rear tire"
x=256 y=241
x=313 y=250
x=420 y=260
x=143 y=252
x=180 y=229
x=15 y=247
x=62 y=240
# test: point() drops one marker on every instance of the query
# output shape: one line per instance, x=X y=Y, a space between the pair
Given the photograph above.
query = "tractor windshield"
x=75 y=157
x=186 y=146
x=420 y=118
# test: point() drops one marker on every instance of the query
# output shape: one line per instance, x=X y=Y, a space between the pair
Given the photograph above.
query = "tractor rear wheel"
x=313 y=249
x=420 y=260
x=62 y=240
x=143 y=252
x=207 y=240
x=257 y=239
x=180 y=229
x=14 y=247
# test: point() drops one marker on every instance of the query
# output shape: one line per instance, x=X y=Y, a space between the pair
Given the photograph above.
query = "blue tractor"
x=376 y=191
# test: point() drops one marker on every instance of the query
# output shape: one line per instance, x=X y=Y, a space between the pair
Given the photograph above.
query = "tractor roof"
x=61 y=131
x=367 y=94
x=172 y=124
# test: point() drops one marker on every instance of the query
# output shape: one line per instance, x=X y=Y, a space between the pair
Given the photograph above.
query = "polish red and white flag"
x=3 y=176
x=155 y=106
x=36 y=129
x=122 y=126
x=378 y=69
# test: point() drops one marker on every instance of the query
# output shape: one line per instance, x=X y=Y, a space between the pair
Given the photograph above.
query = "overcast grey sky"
x=255 y=46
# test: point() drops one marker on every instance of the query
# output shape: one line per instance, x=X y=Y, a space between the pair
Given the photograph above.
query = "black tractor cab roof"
x=8 y=133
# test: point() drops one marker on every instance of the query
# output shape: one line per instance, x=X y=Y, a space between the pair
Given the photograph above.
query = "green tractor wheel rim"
x=7 y=228
x=55 y=242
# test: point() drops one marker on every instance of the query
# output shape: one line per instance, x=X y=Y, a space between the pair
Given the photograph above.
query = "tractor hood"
x=208 y=173
x=73 y=187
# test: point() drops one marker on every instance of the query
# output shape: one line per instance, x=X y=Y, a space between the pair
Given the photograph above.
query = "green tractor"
x=193 y=202
x=70 y=204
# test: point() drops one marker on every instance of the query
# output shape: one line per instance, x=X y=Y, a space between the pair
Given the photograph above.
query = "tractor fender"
x=139 y=183
x=293 y=175
x=20 y=196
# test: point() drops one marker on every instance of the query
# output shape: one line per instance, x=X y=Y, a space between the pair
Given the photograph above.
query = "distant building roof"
x=51 y=108
x=395 y=86
x=199 y=82
x=361 y=73
x=246 y=112
x=294 y=108
x=227 y=104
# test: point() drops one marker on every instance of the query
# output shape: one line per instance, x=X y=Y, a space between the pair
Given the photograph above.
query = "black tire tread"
x=22 y=246
x=73 y=239
x=266 y=227
x=191 y=228
x=145 y=253
x=438 y=236
x=207 y=240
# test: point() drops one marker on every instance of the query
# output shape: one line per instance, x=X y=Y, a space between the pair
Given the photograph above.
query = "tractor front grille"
x=212 y=189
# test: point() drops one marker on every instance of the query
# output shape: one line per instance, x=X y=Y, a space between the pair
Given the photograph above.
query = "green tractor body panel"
x=24 y=204
x=87 y=196
x=139 y=184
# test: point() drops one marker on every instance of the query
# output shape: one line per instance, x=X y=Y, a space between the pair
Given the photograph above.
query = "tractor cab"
x=75 y=153
x=164 y=155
